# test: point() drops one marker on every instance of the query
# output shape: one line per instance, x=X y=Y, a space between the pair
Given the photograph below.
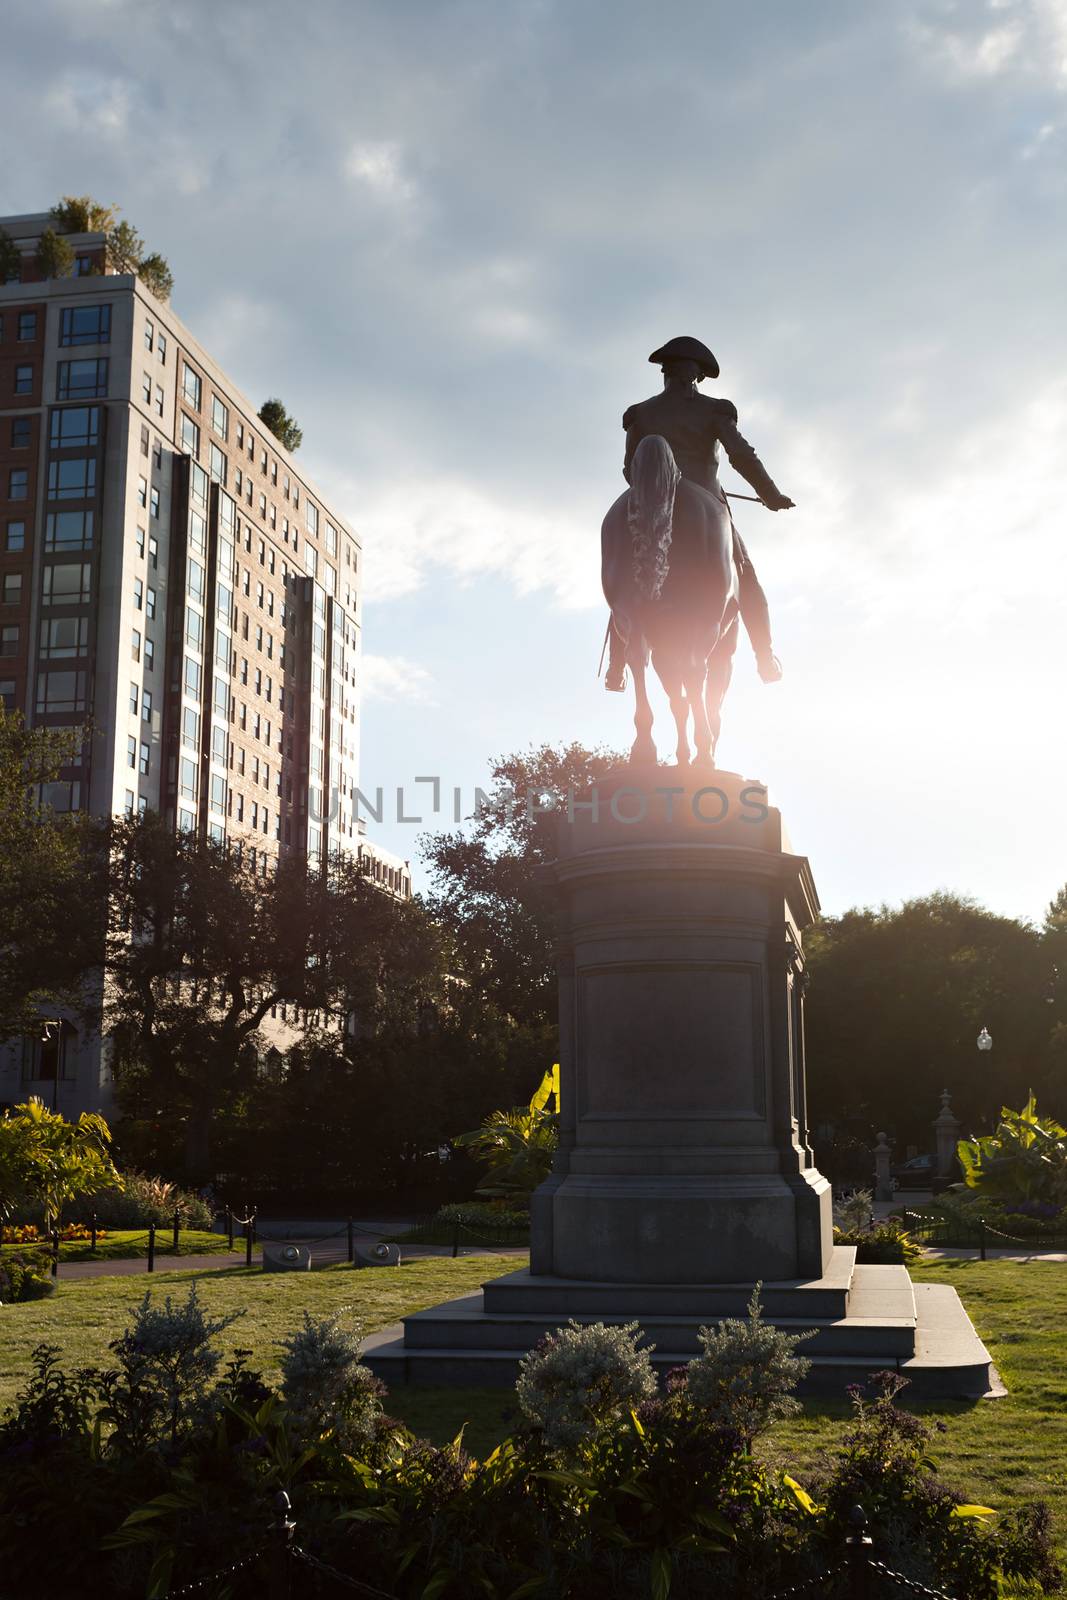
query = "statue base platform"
x=865 y=1319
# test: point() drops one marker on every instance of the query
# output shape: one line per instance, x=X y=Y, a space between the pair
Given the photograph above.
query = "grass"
x=130 y=1244
x=87 y=1313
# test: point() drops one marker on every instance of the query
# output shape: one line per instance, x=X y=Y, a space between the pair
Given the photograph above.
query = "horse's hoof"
x=643 y=754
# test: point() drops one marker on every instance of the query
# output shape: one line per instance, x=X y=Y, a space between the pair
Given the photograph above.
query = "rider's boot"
x=756 y=616
x=615 y=677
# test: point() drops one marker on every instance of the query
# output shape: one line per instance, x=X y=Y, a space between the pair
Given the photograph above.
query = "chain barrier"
x=298 y=1238
x=808 y=1586
x=212 y=1577
x=899 y=1581
x=339 y=1577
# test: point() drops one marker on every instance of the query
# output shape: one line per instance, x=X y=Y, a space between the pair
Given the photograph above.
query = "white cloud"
x=379 y=165
x=395 y=678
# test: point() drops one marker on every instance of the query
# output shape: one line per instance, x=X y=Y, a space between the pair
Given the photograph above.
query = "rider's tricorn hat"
x=686 y=349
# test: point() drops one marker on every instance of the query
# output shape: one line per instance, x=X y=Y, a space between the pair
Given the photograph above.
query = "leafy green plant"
x=10 y=258
x=325 y=1385
x=55 y=256
x=1024 y=1161
x=888 y=1243
x=48 y=1161
x=25 y=1275
x=82 y=214
x=517 y=1146
x=855 y=1211
x=155 y=274
x=124 y=248
x=139 y=1198
x=745 y=1377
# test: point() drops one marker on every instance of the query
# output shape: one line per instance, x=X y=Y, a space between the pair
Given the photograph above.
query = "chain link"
x=809 y=1586
x=339 y=1577
x=911 y=1584
x=212 y=1577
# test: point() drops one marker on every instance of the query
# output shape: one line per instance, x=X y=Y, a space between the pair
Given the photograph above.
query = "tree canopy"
x=55 y=257
x=284 y=427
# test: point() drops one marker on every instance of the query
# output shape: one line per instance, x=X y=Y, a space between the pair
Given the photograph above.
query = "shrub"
x=143 y=1199
x=853 y=1212
x=584 y=1378
x=25 y=1275
x=1025 y=1160
x=325 y=1385
x=165 y=1362
x=889 y=1243
x=745 y=1377
x=479 y=1214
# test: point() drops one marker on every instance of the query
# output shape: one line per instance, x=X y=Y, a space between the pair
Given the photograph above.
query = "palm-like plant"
x=1024 y=1161
x=517 y=1146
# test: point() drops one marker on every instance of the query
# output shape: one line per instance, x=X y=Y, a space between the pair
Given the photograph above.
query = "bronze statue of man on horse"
x=676 y=573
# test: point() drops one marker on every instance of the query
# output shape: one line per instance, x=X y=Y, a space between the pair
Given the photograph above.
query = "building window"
x=138 y=594
x=9 y=639
x=66 y=584
x=146 y=388
x=150 y=604
x=311 y=560
x=64 y=636
x=146 y=706
x=193 y=678
x=140 y=542
x=149 y=333
x=27 y=327
x=220 y=418
x=159 y=401
x=82 y=380
x=217 y=465
x=77 y=425
x=144 y=439
x=16 y=536
x=190 y=728
x=134 y=694
x=153 y=549
x=149 y=654
x=85 y=325
x=154 y=502
x=60 y=691
x=12 y=590
x=187 y=779
x=18 y=480
x=263 y=507
x=161 y=347
x=72 y=478
x=145 y=759
x=135 y=645
x=191 y=386
x=131 y=751
x=142 y=492
x=20 y=433
x=157 y=454
x=68 y=530
x=129 y=802
x=196 y=581
x=191 y=436
x=23 y=380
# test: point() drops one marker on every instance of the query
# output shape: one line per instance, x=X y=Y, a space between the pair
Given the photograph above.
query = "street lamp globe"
x=985 y=1040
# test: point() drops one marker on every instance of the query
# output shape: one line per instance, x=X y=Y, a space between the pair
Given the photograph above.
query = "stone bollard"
x=883 y=1182
x=946 y=1133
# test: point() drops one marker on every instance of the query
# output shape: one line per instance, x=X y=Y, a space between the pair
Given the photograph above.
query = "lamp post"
x=985 y=1044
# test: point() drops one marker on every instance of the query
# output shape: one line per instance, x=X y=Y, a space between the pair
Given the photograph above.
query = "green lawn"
x=130 y=1243
x=999 y=1452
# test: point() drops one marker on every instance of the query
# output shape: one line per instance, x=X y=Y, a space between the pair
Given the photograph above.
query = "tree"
x=124 y=248
x=82 y=214
x=47 y=1161
x=896 y=1001
x=156 y=276
x=488 y=888
x=10 y=259
x=284 y=427
x=51 y=890
x=55 y=255
x=202 y=949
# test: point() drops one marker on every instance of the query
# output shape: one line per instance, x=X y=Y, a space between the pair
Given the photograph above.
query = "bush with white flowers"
x=582 y=1378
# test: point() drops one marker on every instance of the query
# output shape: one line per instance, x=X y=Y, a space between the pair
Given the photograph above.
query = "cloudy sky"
x=449 y=232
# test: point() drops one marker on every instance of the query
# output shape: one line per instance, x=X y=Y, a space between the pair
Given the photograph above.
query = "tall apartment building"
x=167 y=571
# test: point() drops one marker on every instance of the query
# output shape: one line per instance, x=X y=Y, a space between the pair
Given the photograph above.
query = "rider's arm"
x=633 y=439
x=744 y=460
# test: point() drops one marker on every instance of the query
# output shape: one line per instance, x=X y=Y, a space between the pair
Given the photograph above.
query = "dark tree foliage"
x=488 y=889
x=202 y=950
x=897 y=998
x=284 y=427
x=55 y=255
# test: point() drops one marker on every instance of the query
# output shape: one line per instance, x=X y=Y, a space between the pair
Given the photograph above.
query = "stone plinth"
x=683 y=1152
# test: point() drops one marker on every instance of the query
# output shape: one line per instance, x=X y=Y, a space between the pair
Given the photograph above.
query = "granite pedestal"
x=684 y=1171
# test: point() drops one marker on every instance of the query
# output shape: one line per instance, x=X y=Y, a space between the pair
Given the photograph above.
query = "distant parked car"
x=918 y=1173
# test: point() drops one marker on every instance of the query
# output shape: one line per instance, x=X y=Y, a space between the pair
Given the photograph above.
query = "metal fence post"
x=351 y=1243
x=177 y=1227
x=455 y=1240
x=248 y=1242
x=229 y=1224
x=281 y=1538
x=981 y=1239
x=859 y=1547
x=55 y=1252
x=151 y=1247
x=92 y=1232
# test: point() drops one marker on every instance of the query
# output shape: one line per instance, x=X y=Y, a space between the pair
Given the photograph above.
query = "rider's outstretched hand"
x=783 y=503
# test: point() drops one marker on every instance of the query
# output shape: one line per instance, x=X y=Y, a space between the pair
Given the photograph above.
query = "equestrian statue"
x=675 y=571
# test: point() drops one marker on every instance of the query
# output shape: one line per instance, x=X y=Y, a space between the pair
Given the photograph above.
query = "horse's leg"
x=703 y=747
x=644 y=748
x=720 y=671
x=669 y=672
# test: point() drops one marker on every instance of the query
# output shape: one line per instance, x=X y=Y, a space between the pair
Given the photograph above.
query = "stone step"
x=826 y=1297
x=462 y=1324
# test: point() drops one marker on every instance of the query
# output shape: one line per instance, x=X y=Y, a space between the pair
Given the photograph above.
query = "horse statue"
x=675 y=571
x=671 y=580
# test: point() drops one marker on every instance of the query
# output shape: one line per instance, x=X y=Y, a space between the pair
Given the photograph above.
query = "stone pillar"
x=946 y=1133
x=883 y=1179
x=684 y=1154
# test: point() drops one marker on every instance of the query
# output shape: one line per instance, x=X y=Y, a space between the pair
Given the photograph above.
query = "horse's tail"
x=654 y=479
